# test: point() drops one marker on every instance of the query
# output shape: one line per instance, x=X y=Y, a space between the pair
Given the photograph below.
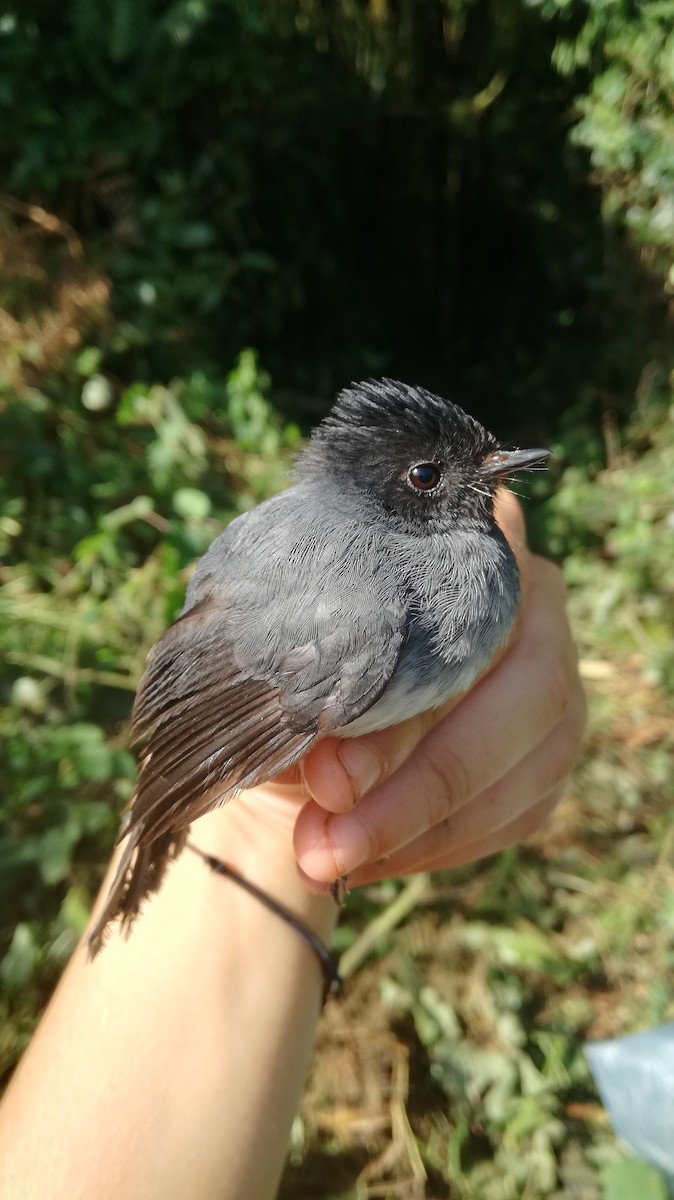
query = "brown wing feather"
x=209 y=732
x=219 y=710
x=214 y=758
x=140 y=872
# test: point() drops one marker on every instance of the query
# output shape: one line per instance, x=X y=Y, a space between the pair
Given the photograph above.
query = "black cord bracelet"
x=332 y=980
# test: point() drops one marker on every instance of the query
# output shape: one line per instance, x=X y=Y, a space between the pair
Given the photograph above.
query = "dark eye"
x=425 y=476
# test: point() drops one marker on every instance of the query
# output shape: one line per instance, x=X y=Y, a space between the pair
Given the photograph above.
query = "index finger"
x=338 y=771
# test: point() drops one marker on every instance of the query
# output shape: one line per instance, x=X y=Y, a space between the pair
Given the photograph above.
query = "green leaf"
x=195 y=236
x=139 y=508
x=88 y=361
x=75 y=910
x=632 y=1178
x=55 y=852
x=19 y=962
x=190 y=503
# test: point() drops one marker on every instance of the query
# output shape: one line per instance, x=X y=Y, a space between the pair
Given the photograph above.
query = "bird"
x=374 y=588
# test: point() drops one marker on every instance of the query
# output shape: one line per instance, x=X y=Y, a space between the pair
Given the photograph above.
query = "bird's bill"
x=506 y=462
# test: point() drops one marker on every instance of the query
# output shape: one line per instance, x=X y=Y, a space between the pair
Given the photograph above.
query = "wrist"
x=253 y=834
x=185 y=1040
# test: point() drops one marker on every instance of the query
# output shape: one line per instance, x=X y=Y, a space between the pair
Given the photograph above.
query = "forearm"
x=173 y=1064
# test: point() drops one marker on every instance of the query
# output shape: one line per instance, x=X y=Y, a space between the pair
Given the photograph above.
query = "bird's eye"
x=425 y=476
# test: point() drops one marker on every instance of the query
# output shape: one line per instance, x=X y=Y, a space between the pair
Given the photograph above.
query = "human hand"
x=463 y=781
x=444 y=788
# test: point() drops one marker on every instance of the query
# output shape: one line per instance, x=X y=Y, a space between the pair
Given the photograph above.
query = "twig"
x=416 y=890
x=55 y=666
x=46 y=220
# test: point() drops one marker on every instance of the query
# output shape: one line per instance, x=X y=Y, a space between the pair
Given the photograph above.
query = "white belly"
x=400 y=700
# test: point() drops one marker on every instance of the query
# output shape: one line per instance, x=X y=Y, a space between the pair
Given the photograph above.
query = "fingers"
x=510 y=809
x=338 y=771
x=509 y=835
x=493 y=729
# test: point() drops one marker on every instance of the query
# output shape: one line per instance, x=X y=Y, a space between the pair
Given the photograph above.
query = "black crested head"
x=414 y=455
x=399 y=411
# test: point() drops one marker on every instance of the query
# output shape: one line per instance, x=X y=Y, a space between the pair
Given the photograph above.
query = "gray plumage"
x=368 y=592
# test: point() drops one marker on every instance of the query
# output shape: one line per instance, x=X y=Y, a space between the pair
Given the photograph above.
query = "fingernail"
x=350 y=842
x=361 y=765
x=344 y=845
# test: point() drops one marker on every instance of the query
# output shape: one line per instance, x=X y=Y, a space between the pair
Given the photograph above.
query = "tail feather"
x=140 y=872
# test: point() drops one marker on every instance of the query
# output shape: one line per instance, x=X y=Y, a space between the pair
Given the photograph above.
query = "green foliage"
x=626 y=124
x=623 y=592
x=626 y=54
x=352 y=189
x=629 y=1178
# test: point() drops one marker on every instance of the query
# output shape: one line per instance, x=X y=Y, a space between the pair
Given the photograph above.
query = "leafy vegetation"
x=447 y=191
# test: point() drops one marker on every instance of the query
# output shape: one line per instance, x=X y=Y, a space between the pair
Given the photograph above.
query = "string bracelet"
x=332 y=980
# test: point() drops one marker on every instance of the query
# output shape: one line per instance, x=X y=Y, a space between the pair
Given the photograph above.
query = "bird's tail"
x=139 y=873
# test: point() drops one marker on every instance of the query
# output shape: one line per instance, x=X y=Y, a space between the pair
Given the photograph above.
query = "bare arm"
x=173 y=1064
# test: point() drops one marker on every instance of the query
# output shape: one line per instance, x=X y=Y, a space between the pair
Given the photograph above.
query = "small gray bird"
x=377 y=587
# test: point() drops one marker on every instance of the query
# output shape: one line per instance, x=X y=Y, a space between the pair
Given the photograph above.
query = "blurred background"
x=213 y=215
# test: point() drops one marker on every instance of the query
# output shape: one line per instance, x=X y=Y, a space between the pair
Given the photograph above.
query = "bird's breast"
x=462 y=605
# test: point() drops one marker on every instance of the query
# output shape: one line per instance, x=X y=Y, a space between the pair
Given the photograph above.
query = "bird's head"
x=417 y=457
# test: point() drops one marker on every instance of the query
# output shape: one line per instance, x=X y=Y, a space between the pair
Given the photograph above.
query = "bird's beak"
x=506 y=462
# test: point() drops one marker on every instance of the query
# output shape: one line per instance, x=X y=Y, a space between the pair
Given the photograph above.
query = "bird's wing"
x=250 y=676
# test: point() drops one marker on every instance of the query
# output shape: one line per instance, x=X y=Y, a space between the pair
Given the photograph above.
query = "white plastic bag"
x=635 y=1077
